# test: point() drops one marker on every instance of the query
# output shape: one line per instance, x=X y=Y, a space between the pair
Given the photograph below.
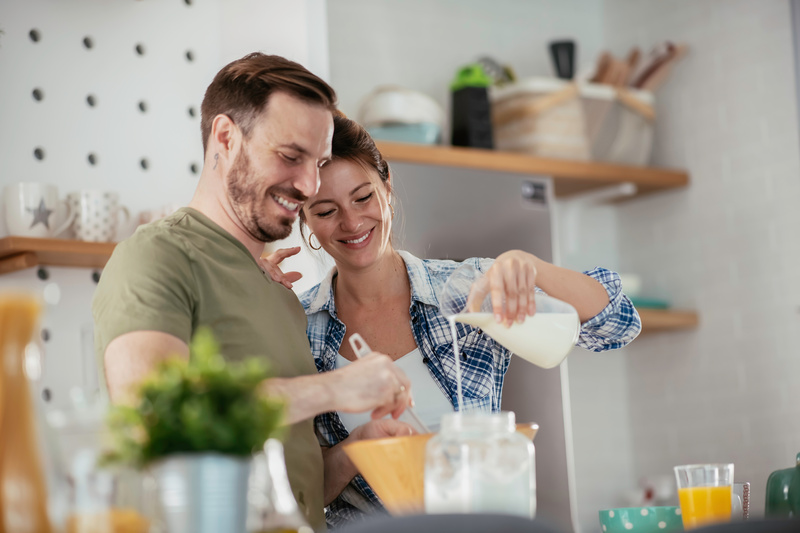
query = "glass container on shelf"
x=478 y=463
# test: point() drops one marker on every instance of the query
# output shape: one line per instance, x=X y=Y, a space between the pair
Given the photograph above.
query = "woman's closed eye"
x=324 y=214
x=364 y=198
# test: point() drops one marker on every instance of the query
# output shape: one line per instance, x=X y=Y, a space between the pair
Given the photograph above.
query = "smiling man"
x=267 y=126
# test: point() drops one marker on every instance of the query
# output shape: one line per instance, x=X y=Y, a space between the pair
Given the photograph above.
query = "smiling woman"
x=392 y=299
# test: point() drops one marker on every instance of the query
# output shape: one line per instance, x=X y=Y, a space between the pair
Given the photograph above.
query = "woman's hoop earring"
x=392 y=210
x=311 y=245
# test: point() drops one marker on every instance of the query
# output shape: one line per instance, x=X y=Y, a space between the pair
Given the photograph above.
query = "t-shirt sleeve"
x=147 y=285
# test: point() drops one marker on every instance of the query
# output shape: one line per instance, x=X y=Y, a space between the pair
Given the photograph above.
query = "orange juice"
x=704 y=505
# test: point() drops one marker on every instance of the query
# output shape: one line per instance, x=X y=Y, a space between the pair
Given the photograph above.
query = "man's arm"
x=373 y=383
x=131 y=357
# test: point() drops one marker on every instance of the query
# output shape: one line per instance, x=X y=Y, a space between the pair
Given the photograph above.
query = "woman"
x=390 y=297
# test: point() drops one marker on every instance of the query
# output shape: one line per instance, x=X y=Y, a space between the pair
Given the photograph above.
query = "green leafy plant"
x=196 y=406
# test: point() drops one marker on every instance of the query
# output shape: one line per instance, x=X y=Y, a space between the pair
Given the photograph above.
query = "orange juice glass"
x=705 y=493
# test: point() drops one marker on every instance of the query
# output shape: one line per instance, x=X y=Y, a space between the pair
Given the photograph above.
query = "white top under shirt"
x=430 y=403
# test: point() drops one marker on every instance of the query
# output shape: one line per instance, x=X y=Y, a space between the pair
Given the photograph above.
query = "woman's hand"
x=270 y=264
x=511 y=281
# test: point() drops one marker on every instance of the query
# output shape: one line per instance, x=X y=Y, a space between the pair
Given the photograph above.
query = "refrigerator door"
x=450 y=213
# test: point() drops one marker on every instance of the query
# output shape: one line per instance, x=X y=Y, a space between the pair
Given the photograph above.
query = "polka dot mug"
x=96 y=215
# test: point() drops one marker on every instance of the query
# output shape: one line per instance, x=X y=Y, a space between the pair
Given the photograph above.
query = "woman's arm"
x=512 y=280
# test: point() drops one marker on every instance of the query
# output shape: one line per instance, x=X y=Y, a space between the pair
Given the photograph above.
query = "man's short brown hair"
x=242 y=88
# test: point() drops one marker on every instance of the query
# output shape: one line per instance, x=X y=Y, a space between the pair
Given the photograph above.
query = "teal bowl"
x=641 y=520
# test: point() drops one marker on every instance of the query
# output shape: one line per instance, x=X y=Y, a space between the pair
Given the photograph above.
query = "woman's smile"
x=358 y=241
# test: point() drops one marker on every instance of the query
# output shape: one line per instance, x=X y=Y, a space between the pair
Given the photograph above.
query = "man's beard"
x=248 y=203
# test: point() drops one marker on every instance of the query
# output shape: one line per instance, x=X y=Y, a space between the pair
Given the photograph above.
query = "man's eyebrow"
x=294 y=146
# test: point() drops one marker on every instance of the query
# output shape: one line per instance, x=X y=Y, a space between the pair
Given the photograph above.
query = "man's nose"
x=307 y=182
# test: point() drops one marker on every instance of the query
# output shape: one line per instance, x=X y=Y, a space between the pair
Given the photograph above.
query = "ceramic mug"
x=34 y=210
x=96 y=215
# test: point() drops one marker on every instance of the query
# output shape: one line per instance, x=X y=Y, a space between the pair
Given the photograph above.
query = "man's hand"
x=381 y=428
x=374 y=383
x=270 y=263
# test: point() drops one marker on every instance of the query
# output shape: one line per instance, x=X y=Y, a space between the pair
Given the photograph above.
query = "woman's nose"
x=350 y=220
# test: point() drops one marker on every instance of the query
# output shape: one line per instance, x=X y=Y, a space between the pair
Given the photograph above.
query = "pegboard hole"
x=88 y=42
x=45 y=334
x=194 y=168
x=46 y=395
x=187 y=2
x=144 y=163
x=35 y=35
x=92 y=158
x=142 y=106
x=38 y=153
x=140 y=50
x=189 y=56
x=42 y=274
x=91 y=100
x=38 y=94
x=192 y=112
x=96 y=276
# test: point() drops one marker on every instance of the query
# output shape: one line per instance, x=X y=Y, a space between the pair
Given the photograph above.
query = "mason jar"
x=478 y=463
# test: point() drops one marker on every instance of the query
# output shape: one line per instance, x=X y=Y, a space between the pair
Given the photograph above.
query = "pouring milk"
x=543 y=339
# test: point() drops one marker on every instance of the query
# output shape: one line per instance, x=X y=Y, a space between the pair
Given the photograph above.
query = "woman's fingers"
x=279 y=255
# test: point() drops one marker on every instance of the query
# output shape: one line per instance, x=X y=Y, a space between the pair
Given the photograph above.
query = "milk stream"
x=544 y=339
x=454 y=332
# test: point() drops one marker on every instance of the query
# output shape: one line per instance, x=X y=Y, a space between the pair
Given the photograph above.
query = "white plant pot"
x=203 y=493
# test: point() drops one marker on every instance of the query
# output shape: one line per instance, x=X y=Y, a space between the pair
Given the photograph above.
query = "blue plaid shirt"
x=483 y=365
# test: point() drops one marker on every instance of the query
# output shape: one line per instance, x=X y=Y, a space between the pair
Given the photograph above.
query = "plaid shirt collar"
x=422 y=290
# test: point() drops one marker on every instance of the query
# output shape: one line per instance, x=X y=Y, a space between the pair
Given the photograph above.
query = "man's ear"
x=226 y=137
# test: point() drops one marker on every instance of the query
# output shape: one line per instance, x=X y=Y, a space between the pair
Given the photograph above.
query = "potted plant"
x=196 y=424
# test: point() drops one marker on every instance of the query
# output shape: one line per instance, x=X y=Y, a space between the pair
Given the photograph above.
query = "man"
x=267 y=126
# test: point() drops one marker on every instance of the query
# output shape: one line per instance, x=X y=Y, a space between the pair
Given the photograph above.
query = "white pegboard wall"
x=103 y=89
x=56 y=55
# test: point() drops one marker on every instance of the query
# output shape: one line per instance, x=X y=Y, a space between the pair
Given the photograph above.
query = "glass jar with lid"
x=478 y=463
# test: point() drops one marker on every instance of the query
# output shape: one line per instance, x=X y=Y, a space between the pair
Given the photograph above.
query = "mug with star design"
x=34 y=210
x=97 y=215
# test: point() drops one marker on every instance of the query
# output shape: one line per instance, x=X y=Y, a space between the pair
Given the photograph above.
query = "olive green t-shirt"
x=185 y=271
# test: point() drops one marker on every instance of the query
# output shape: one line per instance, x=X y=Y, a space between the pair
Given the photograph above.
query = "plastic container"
x=478 y=463
x=395 y=113
x=540 y=116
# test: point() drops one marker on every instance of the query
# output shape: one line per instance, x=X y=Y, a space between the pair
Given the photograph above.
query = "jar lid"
x=479 y=420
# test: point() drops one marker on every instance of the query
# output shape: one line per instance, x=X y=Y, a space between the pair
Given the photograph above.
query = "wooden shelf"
x=570 y=177
x=17 y=253
x=655 y=320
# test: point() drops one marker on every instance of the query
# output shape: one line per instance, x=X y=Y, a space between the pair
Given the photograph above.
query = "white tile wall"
x=726 y=246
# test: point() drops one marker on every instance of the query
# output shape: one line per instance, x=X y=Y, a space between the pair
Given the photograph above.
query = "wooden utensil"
x=657 y=78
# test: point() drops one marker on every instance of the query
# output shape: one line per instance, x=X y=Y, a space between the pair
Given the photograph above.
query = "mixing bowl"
x=395 y=468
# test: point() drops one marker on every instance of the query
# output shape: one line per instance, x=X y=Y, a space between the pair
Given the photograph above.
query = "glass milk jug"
x=478 y=463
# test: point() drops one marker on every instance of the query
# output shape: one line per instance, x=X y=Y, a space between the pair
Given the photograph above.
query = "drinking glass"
x=705 y=493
